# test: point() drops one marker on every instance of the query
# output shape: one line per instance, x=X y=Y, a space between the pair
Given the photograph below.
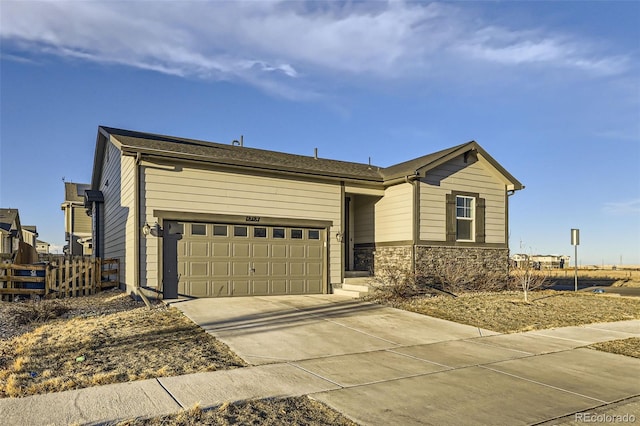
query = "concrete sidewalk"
x=370 y=368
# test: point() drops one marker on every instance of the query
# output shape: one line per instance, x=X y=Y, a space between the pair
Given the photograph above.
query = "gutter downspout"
x=414 y=180
x=137 y=231
x=510 y=192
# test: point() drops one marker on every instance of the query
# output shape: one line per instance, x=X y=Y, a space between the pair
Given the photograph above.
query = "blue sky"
x=549 y=89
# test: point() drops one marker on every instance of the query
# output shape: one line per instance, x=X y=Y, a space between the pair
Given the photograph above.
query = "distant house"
x=30 y=235
x=10 y=231
x=541 y=261
x=77 y=223
x=42 y=247
x=12 y=234
x=202 y=219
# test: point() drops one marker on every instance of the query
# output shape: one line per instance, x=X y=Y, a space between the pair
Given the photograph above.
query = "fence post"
x=87 y=283
x=97 y=273
x=47 y=278
x=10 y=282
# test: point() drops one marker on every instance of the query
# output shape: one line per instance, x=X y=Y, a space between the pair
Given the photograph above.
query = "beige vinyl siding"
x=458 y=176
x=394 y=214
x=118 y=228
x=364 y=219
x=82 y=225
x=29 y=237
x=216 y=192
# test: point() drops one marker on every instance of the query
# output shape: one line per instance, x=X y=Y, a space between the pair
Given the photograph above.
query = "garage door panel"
x=240 y=288
x=314 y=268
x=200 y=248
x=240 y=269
x=182 y=248
x=199 y=269
x=220 y=269
x=314 y=286
x=278 y=251
x=220 y=288
x=241 y=249
x=278 y=269
x=260 y=250
x=261 y=268
x=297 y=252
x=314 y=252
x=296 y=287
x=279 y=287
x=260 y=260
x=221 y=249
x=198 y=288
x=296 y=268
x=260 y=288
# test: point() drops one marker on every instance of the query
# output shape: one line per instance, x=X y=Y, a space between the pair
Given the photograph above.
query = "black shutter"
x=451 y=217
x=480 y=220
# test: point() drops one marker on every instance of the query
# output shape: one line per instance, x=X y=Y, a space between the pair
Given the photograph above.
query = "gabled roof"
x=170 y=147
x=422 y=165
x=9 y=218
x=75 y=191
x=174 y=147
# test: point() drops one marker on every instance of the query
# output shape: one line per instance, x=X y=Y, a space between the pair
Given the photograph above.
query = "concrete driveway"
x=386 y=366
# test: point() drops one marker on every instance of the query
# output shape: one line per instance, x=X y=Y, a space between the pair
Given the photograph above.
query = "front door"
x=172 y=234
x=346 y=238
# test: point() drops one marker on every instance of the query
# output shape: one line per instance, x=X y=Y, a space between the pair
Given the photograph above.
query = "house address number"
x=252 y=218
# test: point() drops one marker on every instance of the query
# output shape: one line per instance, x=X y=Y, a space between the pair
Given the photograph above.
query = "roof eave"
x=150 y=153
x=514 y=184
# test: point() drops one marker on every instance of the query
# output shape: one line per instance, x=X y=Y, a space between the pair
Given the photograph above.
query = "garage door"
x=221 y=260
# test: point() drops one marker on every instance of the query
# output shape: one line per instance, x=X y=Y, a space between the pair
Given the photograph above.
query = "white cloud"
x=630 y=207
x=283 y=44
x=535 y=47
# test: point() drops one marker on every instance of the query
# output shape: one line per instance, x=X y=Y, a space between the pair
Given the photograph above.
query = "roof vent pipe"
x=369 y=163
x=315 y=153
x=240 y=142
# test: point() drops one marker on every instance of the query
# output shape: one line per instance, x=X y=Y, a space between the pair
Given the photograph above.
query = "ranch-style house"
x=189 y=218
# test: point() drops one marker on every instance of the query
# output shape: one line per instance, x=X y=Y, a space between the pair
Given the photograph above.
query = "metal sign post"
x=575 y=241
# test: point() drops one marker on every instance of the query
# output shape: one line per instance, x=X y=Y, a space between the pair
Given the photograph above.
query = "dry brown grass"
x=507 y=312
x=109 y=338
x=628 y=347
x=297 y=411
x=89 y=348
x=617 y=277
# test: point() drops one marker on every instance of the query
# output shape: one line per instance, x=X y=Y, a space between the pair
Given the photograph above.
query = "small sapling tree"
x=526 y=277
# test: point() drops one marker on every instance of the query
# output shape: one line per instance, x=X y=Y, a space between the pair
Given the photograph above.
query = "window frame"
x=469 y=215
x=478 y=215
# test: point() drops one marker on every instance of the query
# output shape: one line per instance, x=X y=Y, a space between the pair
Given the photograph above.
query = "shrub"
x=390 y=282
x=36 y=311
x=456 y=277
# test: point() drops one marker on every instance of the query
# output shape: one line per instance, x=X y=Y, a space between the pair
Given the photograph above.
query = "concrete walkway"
x=374 y=364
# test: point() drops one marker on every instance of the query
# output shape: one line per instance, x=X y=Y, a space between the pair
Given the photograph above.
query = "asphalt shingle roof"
x=236 y=155
x=228 y=154
x=7 y=218
x=75 y=191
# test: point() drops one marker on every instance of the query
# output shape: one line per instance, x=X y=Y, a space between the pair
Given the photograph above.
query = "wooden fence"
x=75 y=277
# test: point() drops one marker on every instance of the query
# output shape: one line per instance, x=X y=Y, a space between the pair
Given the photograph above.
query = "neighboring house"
x=10 y=231
x=77 y=222
x=542 y=261
x=42 y=247
x=30 y=235
x=203 y=219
